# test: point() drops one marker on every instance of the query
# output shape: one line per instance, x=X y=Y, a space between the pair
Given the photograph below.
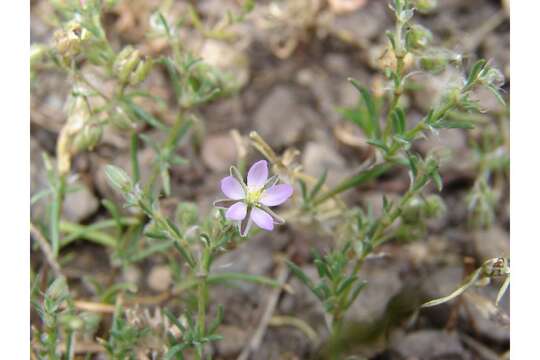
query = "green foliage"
x=189 y=240
x=338 y=286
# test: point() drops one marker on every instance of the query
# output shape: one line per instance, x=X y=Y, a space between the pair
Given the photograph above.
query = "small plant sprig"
x=393 y=140
x=199 y=246
x=59 y=321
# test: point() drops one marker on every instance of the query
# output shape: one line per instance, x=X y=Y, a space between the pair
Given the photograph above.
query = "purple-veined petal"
x=276 y=195
x=257 y=175
x=262 y=219
x=237 y=212
x=232 y=188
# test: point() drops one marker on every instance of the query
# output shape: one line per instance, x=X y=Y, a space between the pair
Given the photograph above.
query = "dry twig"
x=46 y=249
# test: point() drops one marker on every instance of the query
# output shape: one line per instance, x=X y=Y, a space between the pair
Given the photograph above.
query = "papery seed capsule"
x=492 y=77
x=125 y=63
x=88 y=137
x=68 y=41
x=425 y=6
x=418 y=37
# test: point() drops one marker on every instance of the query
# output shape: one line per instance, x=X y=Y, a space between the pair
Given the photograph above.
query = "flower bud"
x=57 y=291
x=119 y=118
x=433 y=206
x=141 y=71
x=412 y=211
x=418 y=37
x=88 y=137
x=425 y=6
x=187 y=214
x=71 y=322
x=118 y=178
x=125 y=63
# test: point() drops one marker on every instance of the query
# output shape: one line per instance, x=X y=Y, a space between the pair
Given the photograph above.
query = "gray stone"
x=160 y=278
x=281 y=120
x=318 y=157
x=374 y=19
x=80 y=204
x=428 y=344
x=383 y=283
x=492 y=243
x=219 y=152
x=234 y=340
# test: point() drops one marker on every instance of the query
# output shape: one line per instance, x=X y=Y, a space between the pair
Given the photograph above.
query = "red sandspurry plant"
x=250 y=203
x=354 y=233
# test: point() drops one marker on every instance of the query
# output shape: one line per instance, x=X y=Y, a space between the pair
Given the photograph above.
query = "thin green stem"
x=133 y=149
x=56 y=214
x=168 y=144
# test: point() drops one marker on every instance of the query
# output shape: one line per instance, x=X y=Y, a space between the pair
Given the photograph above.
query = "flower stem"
x=56 y=214
x=133 y=148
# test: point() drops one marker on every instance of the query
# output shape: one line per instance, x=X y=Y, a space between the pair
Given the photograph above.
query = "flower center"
x=253 y=196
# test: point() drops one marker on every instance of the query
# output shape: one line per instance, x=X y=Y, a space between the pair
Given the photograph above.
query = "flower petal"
x=237 y=212
x=276 y=195
x=262 y=219
x=257 y=175
x=232 y=188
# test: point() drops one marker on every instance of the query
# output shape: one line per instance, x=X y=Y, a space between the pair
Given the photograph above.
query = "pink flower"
x=247 y=204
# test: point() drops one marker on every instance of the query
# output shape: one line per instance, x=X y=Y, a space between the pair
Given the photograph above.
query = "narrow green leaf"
x=299 y=273
x=175 y=351
x=318 y=185
x=174 y=319
x=398 y=120
x=497 y=94
x=453 y=124
x=163 y=22
x=345 y=284
x=141 y=114
x=475 y=71
x=217 y=320
x=354 y=181
x=114 y=211
x=378 y=143
x=175 y=77
x=357 y=289
x=40 y=195
x=372 y=112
